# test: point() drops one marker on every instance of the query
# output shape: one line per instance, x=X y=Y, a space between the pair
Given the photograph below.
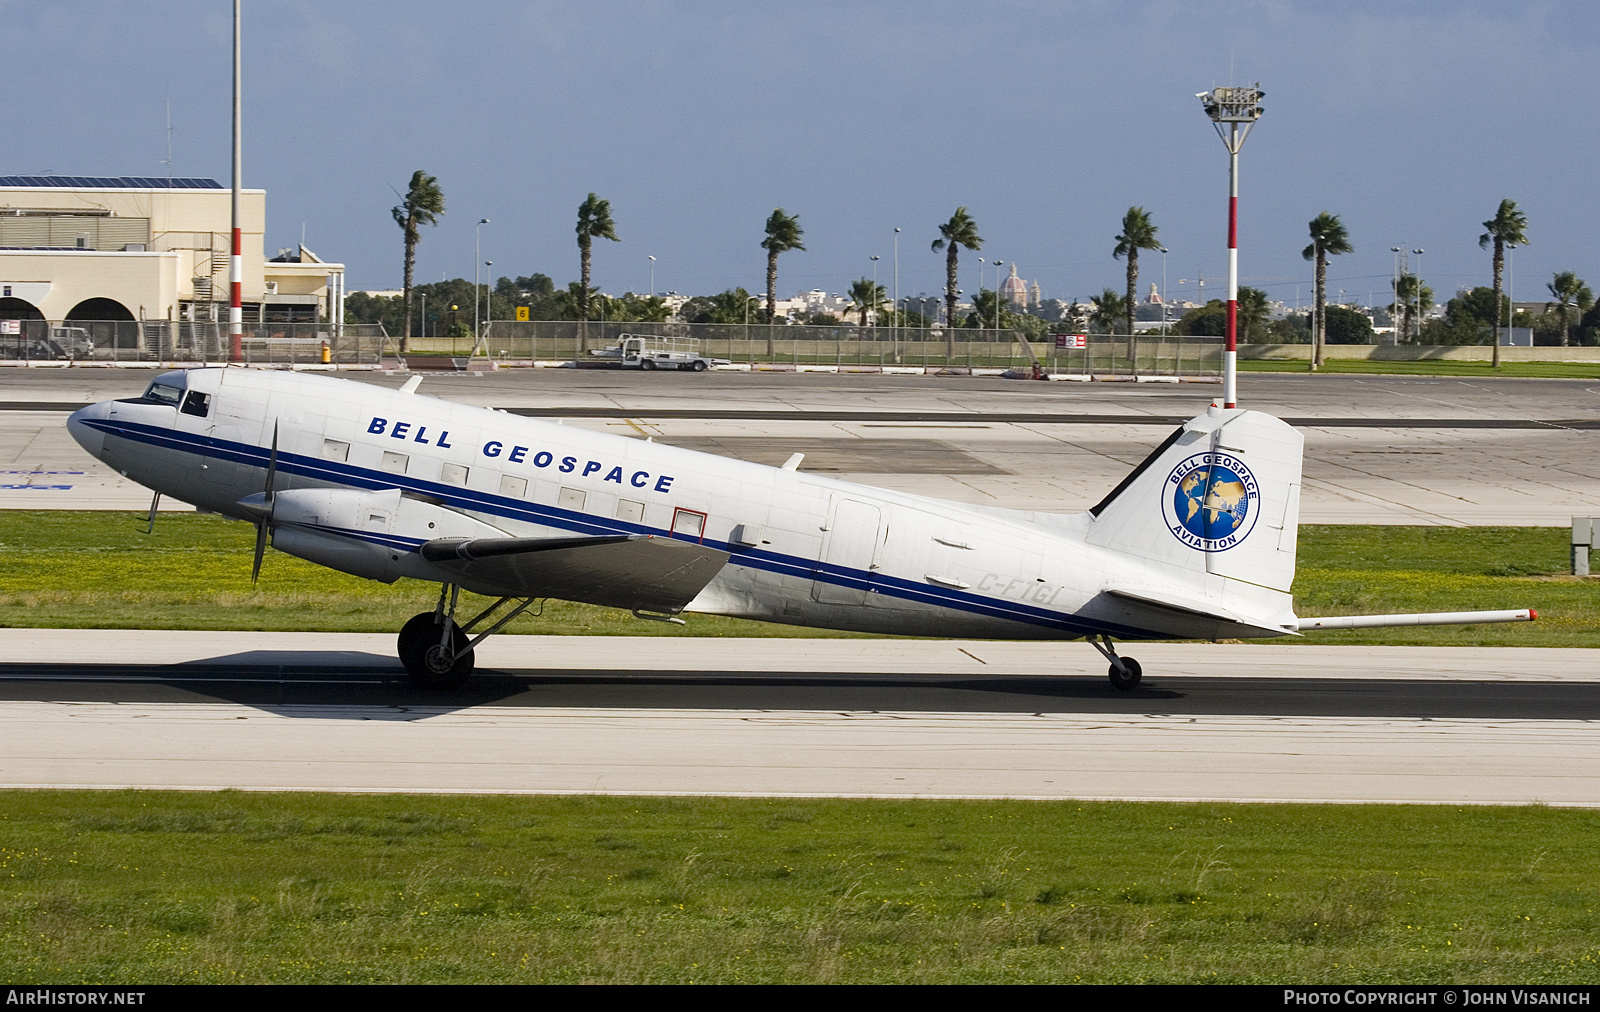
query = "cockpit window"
x=196 y=403
x=164 y=393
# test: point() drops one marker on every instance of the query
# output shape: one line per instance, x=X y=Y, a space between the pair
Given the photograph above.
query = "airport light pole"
x=477 y=257
x=1163 y=291
x=874 y=258
x=1394 y=307
x=894 y=319
x=652 y=276
x=997 y=265
x=1419 y=252
x=1233 y=111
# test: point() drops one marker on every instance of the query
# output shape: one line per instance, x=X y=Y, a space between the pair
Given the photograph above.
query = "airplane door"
x=850 y=554
x=236 y=422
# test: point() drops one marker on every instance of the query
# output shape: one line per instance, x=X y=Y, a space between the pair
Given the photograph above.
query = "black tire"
x=419 y=652
x=699 y=365
x=648 y=365
x=1126 y=682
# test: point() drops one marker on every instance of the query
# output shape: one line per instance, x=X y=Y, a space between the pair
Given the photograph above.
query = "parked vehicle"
x=639 y=351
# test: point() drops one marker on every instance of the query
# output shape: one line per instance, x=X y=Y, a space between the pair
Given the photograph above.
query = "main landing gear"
x=437 y=652
x=1125 y=671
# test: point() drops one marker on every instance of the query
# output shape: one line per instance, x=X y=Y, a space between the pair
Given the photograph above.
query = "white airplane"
x=1197 y=542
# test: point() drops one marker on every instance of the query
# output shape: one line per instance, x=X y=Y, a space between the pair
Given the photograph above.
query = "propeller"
x=264 y=524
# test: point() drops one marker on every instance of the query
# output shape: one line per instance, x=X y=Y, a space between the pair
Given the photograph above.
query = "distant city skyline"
x=1410 y=120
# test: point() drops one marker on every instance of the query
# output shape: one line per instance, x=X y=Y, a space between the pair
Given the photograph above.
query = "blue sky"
x=1047 y=120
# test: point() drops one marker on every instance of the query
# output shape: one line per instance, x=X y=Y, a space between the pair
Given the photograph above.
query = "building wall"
x=186 y=235
x=146 y=283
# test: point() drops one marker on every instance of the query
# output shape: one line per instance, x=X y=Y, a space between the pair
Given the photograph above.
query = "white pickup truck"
x=637 y=351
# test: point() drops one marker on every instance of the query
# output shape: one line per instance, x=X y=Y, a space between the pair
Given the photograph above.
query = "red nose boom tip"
x=1533 y=616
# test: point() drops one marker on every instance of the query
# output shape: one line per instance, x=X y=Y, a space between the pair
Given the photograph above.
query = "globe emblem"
x=1211 y=502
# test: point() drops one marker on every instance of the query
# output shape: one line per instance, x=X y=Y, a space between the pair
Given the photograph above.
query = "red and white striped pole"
x=1238 y=108
x=236 y=259
x=1230 y=352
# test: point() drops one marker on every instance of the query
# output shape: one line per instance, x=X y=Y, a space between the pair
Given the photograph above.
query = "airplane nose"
x=88 y=436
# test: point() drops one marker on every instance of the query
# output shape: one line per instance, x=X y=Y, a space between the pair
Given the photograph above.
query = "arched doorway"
x=29 y=340
x=107 y=321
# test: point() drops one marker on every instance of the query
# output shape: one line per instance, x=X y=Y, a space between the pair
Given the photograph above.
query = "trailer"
x=641 y=351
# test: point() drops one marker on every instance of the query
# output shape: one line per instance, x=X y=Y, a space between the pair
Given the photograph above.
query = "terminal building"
x=138 y=263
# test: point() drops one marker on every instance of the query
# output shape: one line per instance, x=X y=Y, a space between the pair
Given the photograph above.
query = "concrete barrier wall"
x=1418 y=353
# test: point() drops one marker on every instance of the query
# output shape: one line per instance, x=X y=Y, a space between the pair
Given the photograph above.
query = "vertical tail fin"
x=1221 y=496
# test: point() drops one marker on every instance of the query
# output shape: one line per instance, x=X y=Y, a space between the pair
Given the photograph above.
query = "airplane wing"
x=637 y=572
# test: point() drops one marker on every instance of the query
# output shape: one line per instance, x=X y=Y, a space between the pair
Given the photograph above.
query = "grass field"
x=67 y=569
x=1433 y=367
x=229 y=887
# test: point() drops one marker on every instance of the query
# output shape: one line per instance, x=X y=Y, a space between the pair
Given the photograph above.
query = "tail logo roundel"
x=1211 y=501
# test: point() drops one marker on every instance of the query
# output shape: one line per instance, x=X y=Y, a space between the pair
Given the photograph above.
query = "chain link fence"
x=198 y=343
x=796 y=346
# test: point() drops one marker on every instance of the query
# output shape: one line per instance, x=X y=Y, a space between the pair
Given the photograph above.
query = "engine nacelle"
x=368 y=534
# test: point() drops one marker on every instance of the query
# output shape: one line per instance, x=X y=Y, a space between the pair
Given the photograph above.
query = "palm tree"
x=424 y=202
x=1109 y=310
x=959 y=231
x=1328 y=238
x=783 y=234
x=1508 y=225
x=594 y=222
x=868 y=296
x=1569 y=291
x=1137 y=234
x=1409 y=292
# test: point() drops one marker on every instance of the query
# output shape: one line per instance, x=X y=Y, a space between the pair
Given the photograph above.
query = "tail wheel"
x=1127 y=678
x=426 y=661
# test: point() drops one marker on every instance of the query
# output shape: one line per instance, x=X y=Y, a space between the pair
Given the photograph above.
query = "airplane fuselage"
x=803 y=549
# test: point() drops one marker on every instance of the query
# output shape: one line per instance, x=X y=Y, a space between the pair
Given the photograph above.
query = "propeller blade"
x=261 y=550
x=265 y=523
x=272 y=466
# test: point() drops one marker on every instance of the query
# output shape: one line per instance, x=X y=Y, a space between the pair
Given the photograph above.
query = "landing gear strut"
x=1125 y=671
x=437 y=652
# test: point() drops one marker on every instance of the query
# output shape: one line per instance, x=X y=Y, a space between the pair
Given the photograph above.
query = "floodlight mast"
x=1238 y=108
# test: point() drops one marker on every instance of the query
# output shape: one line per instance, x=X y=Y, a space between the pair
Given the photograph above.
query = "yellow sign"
x=522 y=314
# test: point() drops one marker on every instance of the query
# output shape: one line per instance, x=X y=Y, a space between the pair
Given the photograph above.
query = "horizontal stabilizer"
x=1198 y=608
x=635 y=572
x=1424 y=618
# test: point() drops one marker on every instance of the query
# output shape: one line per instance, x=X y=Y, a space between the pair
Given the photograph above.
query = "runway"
x=863 y=718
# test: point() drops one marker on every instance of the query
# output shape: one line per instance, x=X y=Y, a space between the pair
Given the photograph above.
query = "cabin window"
x=395 y=463
x=453 y=474
x=631 y=511
x=515 y=487
x=197 y=404
x=688 y=524
x=335 y=449
x=572 y=499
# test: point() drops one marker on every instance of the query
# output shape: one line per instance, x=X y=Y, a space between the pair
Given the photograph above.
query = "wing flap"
x=636 y=572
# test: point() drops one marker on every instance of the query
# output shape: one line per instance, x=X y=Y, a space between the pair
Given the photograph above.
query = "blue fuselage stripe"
x=347 y=475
